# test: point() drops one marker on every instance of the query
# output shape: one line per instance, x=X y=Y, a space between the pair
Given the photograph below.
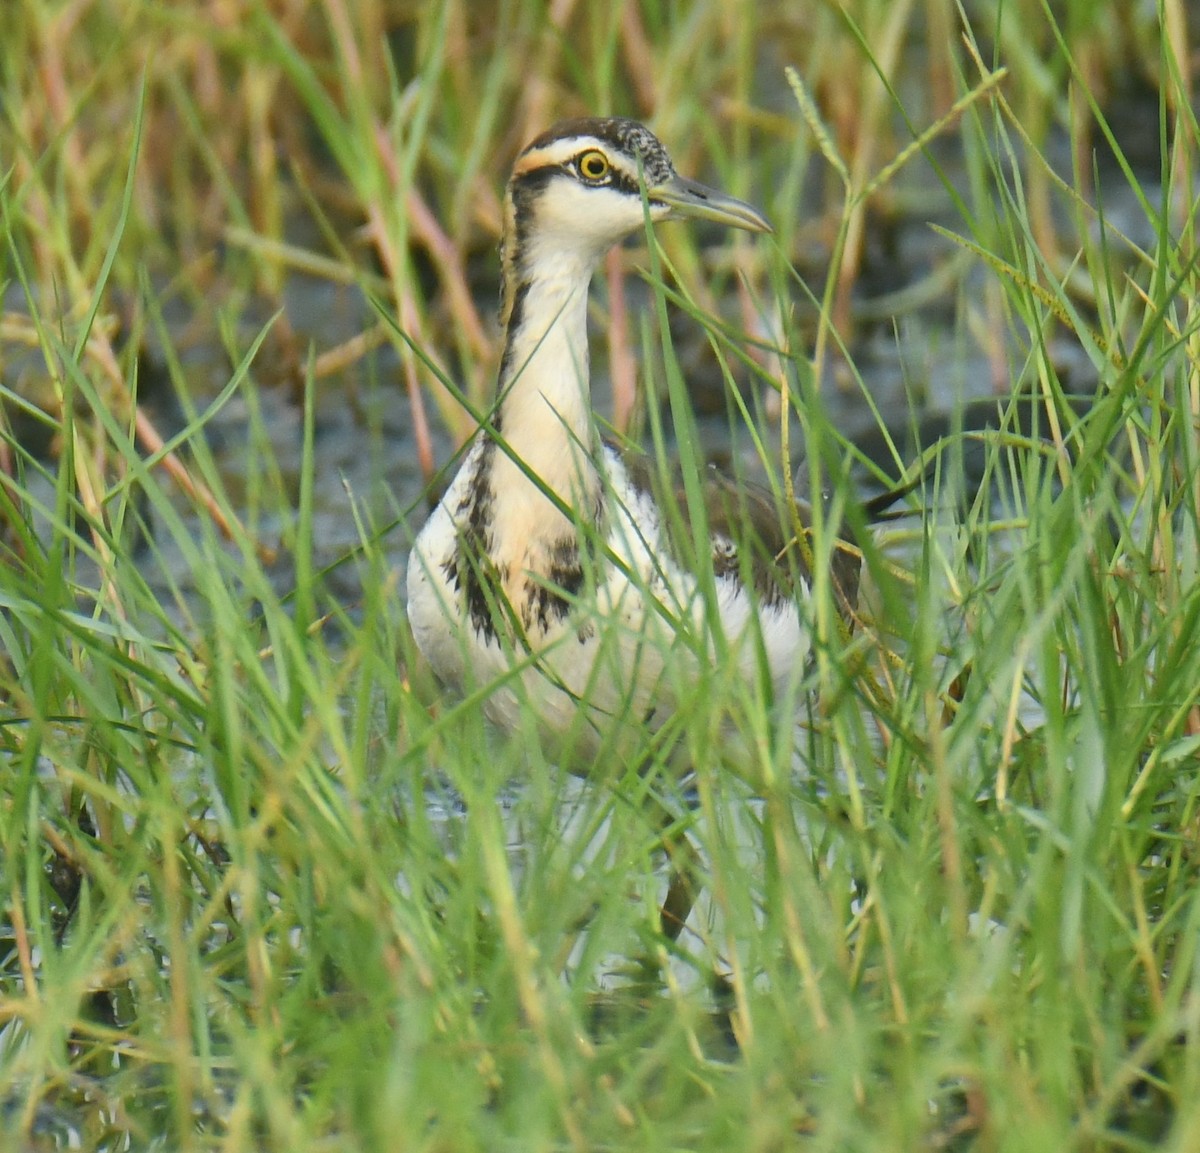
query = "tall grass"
x=266 y=887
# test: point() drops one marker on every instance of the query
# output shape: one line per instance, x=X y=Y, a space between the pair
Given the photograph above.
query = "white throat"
x=545 y=398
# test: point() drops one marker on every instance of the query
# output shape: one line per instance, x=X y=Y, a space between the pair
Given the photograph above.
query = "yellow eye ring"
x=593 y=165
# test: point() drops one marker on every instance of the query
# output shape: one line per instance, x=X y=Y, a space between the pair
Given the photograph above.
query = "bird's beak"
x=688 y=198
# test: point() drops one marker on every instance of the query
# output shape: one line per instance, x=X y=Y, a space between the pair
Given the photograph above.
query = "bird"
x=553 y=569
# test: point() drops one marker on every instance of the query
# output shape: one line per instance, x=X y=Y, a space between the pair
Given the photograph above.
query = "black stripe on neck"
x=515 y=282
x=515 y=307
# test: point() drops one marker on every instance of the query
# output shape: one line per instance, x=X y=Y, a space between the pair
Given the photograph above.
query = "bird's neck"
x=544 y=413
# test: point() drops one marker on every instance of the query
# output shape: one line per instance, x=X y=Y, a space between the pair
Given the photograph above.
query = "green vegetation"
x=262 y=889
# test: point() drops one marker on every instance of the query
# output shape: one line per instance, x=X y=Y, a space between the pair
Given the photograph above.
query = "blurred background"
x=209 y=186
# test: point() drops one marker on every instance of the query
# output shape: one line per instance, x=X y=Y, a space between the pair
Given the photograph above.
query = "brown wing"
x=747 y=523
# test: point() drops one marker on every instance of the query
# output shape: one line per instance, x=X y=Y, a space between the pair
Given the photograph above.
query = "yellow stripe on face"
x=560 y=153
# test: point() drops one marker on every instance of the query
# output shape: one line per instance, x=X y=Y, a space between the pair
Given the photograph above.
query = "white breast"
x=611 y=668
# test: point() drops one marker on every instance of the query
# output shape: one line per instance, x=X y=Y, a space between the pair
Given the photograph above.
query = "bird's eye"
x=593 y=165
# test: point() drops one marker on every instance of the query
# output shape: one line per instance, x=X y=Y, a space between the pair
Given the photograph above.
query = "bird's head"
x=578 y=189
